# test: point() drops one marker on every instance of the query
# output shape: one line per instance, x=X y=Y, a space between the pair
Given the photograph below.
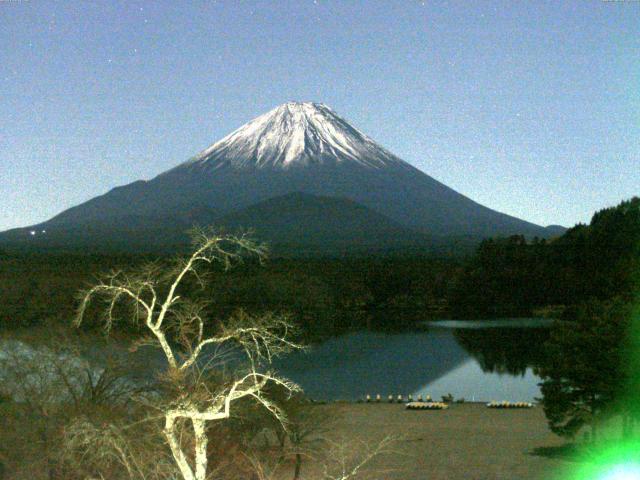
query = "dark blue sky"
x=531 y=108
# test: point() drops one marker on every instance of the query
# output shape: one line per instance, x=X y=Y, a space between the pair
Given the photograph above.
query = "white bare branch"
x=349 y=461
x=261 y=338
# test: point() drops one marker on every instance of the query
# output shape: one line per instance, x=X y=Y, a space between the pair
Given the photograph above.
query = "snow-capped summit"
x=295 y=134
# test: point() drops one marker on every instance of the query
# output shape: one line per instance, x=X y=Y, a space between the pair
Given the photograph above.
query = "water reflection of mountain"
x=504 y=350
x=353 y=365
x=356 y=364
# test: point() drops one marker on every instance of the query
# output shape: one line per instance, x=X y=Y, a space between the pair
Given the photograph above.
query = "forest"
x=503 y=278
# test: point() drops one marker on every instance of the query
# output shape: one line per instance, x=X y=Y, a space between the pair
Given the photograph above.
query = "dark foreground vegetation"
x=212 y=408
x=588 y=278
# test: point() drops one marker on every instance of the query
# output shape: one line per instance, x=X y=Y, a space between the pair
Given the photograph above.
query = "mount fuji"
x=299 y=175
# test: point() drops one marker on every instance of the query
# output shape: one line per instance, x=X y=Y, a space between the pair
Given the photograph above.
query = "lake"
x=477 y=361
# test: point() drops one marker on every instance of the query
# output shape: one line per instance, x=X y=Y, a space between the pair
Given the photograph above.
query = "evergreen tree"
x=584 y=373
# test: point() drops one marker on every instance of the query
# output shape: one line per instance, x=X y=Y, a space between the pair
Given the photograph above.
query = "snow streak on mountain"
x=295 y=134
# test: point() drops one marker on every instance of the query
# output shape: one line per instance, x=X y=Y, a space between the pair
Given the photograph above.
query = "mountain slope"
x=299 y=221
x=297 y=147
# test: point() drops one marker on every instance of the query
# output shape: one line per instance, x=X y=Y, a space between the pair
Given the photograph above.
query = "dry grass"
x=466 y=441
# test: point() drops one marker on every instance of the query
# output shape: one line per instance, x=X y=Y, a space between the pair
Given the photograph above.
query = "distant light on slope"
x=32 y=232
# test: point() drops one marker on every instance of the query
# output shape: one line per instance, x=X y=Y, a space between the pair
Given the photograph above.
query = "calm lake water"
x=473 y=360
x=477 y=361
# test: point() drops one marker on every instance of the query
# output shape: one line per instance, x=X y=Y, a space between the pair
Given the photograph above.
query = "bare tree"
x=307 y=424
x=45 y=384
x=112 y=450
x=348 y=461
x=177 y=325
x=343 y=460
x=38 y=383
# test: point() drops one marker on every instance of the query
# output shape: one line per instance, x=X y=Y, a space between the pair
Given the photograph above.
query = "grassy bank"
x=466 y=441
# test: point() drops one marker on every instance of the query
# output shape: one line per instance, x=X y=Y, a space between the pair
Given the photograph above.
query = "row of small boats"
x=396 y=399
x=427 y=404
x=510 y=405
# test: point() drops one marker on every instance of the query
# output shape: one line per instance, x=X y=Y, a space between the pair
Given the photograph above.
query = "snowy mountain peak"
x=348 y=192
x=295 y=134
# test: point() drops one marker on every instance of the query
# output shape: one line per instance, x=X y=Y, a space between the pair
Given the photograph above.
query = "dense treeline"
x=40 y=288
x=590 y=368
x=589 y=365
x=515 y=277
x=592 y=360
x=326 y=296
x=505 y=277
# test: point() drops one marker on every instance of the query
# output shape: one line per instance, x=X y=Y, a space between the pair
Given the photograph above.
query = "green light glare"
x=611 y=459
x=618 y=461
x=629 y=471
